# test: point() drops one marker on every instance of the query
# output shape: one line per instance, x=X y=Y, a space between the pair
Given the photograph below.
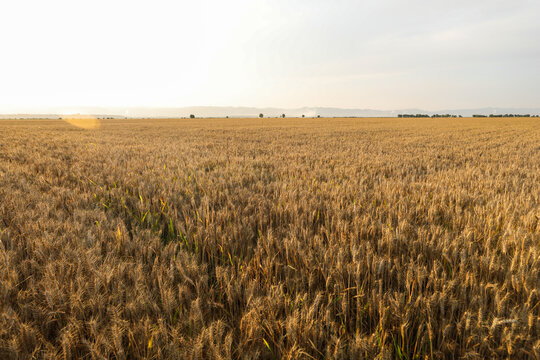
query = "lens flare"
x=87 y=122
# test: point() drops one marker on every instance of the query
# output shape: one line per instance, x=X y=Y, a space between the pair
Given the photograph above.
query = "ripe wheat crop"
x=270 y=239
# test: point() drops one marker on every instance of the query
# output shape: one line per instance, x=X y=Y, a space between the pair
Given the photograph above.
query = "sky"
x=384 y=54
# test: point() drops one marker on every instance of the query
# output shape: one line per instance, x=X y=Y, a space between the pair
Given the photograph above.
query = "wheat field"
x=270 y=239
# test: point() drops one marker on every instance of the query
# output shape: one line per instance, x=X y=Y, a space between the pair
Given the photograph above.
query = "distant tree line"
x=506 y=115
x=454 y=116
x=426 y=116
x=192 y=116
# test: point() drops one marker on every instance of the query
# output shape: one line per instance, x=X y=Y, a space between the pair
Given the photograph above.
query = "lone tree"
x=192 y=116
x=282 y=115
x=261 y=115
x=303 y=115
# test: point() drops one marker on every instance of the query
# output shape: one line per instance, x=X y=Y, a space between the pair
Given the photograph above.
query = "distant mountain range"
x=223 y=111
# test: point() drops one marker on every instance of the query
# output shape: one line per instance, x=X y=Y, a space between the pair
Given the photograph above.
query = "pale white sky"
x=383 y=54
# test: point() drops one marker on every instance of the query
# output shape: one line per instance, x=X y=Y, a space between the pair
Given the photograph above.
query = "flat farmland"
x=270 y=238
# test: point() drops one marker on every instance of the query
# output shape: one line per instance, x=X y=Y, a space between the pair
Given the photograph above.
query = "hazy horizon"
x=250 y=112
x=387 y=55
